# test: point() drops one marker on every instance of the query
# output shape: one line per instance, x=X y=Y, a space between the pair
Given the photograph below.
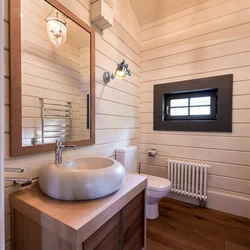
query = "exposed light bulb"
x=121 y=71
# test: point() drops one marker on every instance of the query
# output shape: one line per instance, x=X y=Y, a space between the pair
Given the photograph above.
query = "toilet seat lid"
x=157 y=183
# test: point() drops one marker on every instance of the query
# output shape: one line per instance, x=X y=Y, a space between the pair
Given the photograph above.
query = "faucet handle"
x=59 y=144
x=70 y=146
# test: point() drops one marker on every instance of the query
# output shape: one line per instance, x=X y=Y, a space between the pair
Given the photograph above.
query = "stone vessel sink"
x=82 y=179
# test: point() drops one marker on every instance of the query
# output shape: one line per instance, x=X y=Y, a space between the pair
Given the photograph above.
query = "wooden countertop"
x=75 y=221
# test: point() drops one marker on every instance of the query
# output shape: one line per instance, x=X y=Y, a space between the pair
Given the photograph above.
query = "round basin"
x=82 y=179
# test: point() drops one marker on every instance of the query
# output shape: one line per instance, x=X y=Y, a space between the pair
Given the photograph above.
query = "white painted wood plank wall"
x=151 y=10
x=210 y=39
x=117 y=104
x=48 y=73
x=84 y=89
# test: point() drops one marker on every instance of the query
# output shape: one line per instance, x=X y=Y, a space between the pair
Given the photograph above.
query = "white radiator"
x=188 y=178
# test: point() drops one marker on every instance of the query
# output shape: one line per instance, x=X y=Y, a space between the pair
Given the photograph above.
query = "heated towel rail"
x=54 y=111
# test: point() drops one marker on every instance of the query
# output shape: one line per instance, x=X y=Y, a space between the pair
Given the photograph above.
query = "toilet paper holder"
x=152 y=152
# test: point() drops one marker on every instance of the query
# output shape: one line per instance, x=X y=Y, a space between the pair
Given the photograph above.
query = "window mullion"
x=188 y=106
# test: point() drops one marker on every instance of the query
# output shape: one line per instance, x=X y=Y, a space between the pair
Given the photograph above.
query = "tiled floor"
x=183 y=226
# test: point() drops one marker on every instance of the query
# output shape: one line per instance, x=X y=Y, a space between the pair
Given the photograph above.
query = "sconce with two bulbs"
x=121 y=71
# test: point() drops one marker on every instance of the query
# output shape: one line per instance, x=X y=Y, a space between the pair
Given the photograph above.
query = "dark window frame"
x=192 y=94
x=223 y=121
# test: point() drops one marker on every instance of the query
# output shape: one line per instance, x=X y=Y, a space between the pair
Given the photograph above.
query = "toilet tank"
x=127 y=156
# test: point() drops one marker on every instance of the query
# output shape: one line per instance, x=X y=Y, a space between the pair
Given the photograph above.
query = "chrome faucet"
x=58 y=150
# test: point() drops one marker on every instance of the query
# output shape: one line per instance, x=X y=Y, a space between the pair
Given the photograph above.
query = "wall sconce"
x=120 y=72
x=56 y=28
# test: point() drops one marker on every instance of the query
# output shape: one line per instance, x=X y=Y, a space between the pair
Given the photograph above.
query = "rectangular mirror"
x=52 y=77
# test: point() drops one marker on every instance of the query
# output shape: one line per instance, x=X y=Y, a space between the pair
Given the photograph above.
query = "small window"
x=201 y=105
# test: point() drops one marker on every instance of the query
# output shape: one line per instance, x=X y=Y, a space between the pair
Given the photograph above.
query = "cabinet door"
x=106 y=237
x=124 y=231
x=133 y=223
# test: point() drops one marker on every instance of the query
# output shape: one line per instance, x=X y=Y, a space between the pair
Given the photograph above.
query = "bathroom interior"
x=151 y=151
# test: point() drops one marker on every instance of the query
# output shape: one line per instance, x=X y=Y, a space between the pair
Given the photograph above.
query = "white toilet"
x=157 y=187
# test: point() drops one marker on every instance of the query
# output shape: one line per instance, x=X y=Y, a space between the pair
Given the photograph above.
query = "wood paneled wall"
x=151 y=10
x=84 y=90
x=57 y=75
x=117 y=104
x=212 y=38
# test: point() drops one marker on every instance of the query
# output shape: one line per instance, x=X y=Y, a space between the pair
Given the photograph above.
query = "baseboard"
x=223 y=201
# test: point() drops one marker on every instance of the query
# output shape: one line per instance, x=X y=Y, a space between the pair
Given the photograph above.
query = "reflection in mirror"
x=55 y=76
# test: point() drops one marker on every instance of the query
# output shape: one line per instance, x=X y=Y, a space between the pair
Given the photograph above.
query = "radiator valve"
x=152 y=152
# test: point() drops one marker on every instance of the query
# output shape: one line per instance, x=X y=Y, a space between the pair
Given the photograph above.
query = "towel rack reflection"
x=54 y=111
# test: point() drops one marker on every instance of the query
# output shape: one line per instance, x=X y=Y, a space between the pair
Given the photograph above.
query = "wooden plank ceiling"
x=151 y=10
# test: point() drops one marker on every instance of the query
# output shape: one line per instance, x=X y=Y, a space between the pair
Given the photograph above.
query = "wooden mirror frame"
x=16 y=148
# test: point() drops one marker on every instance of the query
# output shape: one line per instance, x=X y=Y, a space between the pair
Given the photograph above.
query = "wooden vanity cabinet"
x=124 y=231
x=133 y=222
x=107 y=237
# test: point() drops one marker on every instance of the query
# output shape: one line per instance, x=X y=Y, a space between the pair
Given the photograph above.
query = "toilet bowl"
x=157 y=187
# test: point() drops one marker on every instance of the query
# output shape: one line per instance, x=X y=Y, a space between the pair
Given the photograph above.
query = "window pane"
x=178 y=111
x=206 y=110
x=197 y=101
x=179 y=102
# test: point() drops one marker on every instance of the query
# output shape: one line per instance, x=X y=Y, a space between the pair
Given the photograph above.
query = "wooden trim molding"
x=16 y=148
x=2 y=238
